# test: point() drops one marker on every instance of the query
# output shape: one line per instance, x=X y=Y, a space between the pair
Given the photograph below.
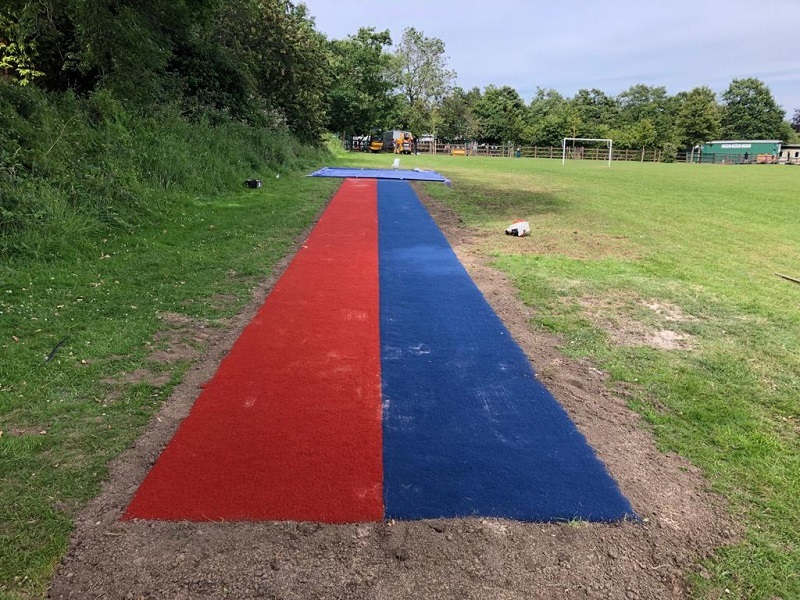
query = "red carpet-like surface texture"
x=289 y=428
x=377 y=382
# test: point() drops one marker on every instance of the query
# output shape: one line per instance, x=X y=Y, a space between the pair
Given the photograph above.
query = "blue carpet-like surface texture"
x=467 y=428
x=402 y=174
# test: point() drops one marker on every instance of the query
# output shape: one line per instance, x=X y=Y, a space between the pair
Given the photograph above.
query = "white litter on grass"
x=519 y=228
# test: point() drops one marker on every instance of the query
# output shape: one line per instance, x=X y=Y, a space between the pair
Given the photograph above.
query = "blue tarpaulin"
x=402 y=174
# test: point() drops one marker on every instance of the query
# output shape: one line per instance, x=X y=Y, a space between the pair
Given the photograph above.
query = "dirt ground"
x=682 y=521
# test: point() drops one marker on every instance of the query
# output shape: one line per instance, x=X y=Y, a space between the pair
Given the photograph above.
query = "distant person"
x=746 y=156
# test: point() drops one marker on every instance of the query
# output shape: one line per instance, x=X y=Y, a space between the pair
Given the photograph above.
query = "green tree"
x=142 y=52
x=548 y=131
x=642 y=102
x=123 y=46
x=698 y=119
x=19 y=30
x=547 y=119
x=360 y=95
x=501 y=113
x=644 y=134
x=750 y=111
x=260 y=61
x=457 y=119
x=127 y=46
x=545 y=103
x=213 y=79
x=284 y=60
x=423 y=77
x=796 y=120
x=595 y=111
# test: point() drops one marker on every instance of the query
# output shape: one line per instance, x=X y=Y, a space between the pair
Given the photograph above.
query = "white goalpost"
x=609 y=142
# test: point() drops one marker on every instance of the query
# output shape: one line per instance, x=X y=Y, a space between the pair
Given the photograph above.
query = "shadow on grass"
x=499 y=202
x=479 y=203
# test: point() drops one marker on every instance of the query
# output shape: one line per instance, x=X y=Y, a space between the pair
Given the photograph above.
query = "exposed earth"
x=682 y=520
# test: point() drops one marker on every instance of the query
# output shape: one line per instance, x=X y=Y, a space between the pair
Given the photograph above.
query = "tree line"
x=264 y=63
x=261 y=62
x=417 y=91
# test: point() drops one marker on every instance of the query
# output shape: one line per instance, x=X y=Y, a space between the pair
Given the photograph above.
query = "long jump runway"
x=376 y=382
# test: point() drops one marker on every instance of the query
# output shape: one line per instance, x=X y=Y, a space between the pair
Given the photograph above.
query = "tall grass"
x=71 y=166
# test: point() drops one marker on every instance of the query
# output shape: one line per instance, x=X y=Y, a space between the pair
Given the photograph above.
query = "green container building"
x=740 y=152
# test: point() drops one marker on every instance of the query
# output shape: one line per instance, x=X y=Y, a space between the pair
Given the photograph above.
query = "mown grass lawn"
x=63 y=419
x=628 y=259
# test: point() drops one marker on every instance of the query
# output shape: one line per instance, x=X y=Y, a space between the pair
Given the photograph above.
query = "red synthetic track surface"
x=289 y=428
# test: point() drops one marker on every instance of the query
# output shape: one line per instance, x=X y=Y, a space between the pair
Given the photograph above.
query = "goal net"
x=581 y=151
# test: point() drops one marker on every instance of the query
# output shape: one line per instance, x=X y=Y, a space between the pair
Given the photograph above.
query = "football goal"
x=578 y=152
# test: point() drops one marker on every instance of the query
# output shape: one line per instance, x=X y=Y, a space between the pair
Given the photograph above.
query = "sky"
x=611 y=45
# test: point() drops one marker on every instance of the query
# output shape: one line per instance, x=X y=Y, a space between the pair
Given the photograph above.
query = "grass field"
x=617 y=254
x=628 y=260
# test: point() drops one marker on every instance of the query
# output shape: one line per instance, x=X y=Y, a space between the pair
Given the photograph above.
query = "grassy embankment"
x=107 y=222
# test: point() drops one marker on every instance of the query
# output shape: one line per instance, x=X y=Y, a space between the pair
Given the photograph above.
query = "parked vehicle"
x=375 y=141
x=403 y=140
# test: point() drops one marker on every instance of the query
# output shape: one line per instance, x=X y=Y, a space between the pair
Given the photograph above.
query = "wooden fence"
x=576 y=153
x=582 y=153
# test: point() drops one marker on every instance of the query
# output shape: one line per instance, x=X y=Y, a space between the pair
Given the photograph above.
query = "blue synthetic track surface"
x=403 y=174
x=467 y=428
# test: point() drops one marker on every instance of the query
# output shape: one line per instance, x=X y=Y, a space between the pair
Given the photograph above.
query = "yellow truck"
x=375 y=142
